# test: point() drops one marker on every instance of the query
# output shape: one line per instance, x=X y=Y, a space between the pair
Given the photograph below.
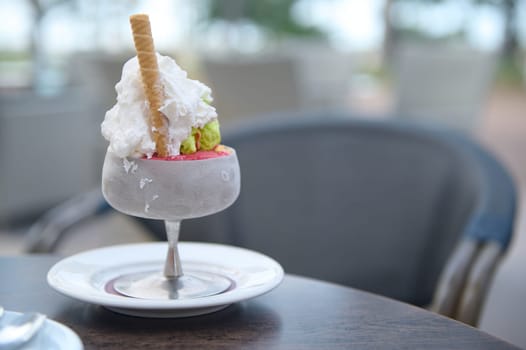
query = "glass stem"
x=172 y=265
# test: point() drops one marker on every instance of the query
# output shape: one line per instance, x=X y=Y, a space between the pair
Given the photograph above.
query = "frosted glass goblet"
x=171 y=190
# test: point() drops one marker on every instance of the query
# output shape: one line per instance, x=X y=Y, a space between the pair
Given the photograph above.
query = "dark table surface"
x=301 y=313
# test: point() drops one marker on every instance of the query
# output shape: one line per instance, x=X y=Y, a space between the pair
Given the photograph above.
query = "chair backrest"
x=374 y=205
x=444 y=84
x=244 y=87
x=323 y=73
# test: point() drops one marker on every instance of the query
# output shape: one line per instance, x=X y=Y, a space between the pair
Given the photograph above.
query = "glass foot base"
x=154 y=286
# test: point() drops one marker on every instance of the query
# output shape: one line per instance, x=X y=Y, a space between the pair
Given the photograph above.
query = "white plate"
x=52 y=335
x=85 y=276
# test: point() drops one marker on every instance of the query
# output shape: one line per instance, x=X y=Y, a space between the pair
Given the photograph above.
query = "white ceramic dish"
x=52 y=335
x=86 y=276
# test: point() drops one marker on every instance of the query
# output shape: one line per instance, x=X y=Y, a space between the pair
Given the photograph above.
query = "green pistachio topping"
x=210 y=135
x=202 y=139
x=189 y=145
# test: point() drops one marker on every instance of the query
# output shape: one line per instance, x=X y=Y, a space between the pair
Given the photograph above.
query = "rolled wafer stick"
x=142 y=37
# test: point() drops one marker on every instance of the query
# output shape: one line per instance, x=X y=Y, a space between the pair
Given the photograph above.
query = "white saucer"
x=52 y=335
x=86 y=276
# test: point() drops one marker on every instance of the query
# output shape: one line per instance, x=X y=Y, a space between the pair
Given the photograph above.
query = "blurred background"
x=461 y=63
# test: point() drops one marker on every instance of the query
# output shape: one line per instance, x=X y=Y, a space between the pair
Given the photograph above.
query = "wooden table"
x=300 y=314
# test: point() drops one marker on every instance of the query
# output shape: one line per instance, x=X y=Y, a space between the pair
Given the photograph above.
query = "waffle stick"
x=142 y=37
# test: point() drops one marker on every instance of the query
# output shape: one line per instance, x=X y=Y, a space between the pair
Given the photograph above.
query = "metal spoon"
x=1 y=312
x=20 y=330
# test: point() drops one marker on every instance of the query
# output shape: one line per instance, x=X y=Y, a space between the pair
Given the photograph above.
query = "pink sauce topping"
x=217 y=152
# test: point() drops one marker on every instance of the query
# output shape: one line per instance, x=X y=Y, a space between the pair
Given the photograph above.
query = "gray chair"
x=414 y=213
x=48 y=152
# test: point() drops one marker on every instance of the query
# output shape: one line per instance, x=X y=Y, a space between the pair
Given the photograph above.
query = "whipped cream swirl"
x=186 y=104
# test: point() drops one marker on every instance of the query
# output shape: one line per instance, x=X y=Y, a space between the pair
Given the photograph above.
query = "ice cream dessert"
x=164 y=159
